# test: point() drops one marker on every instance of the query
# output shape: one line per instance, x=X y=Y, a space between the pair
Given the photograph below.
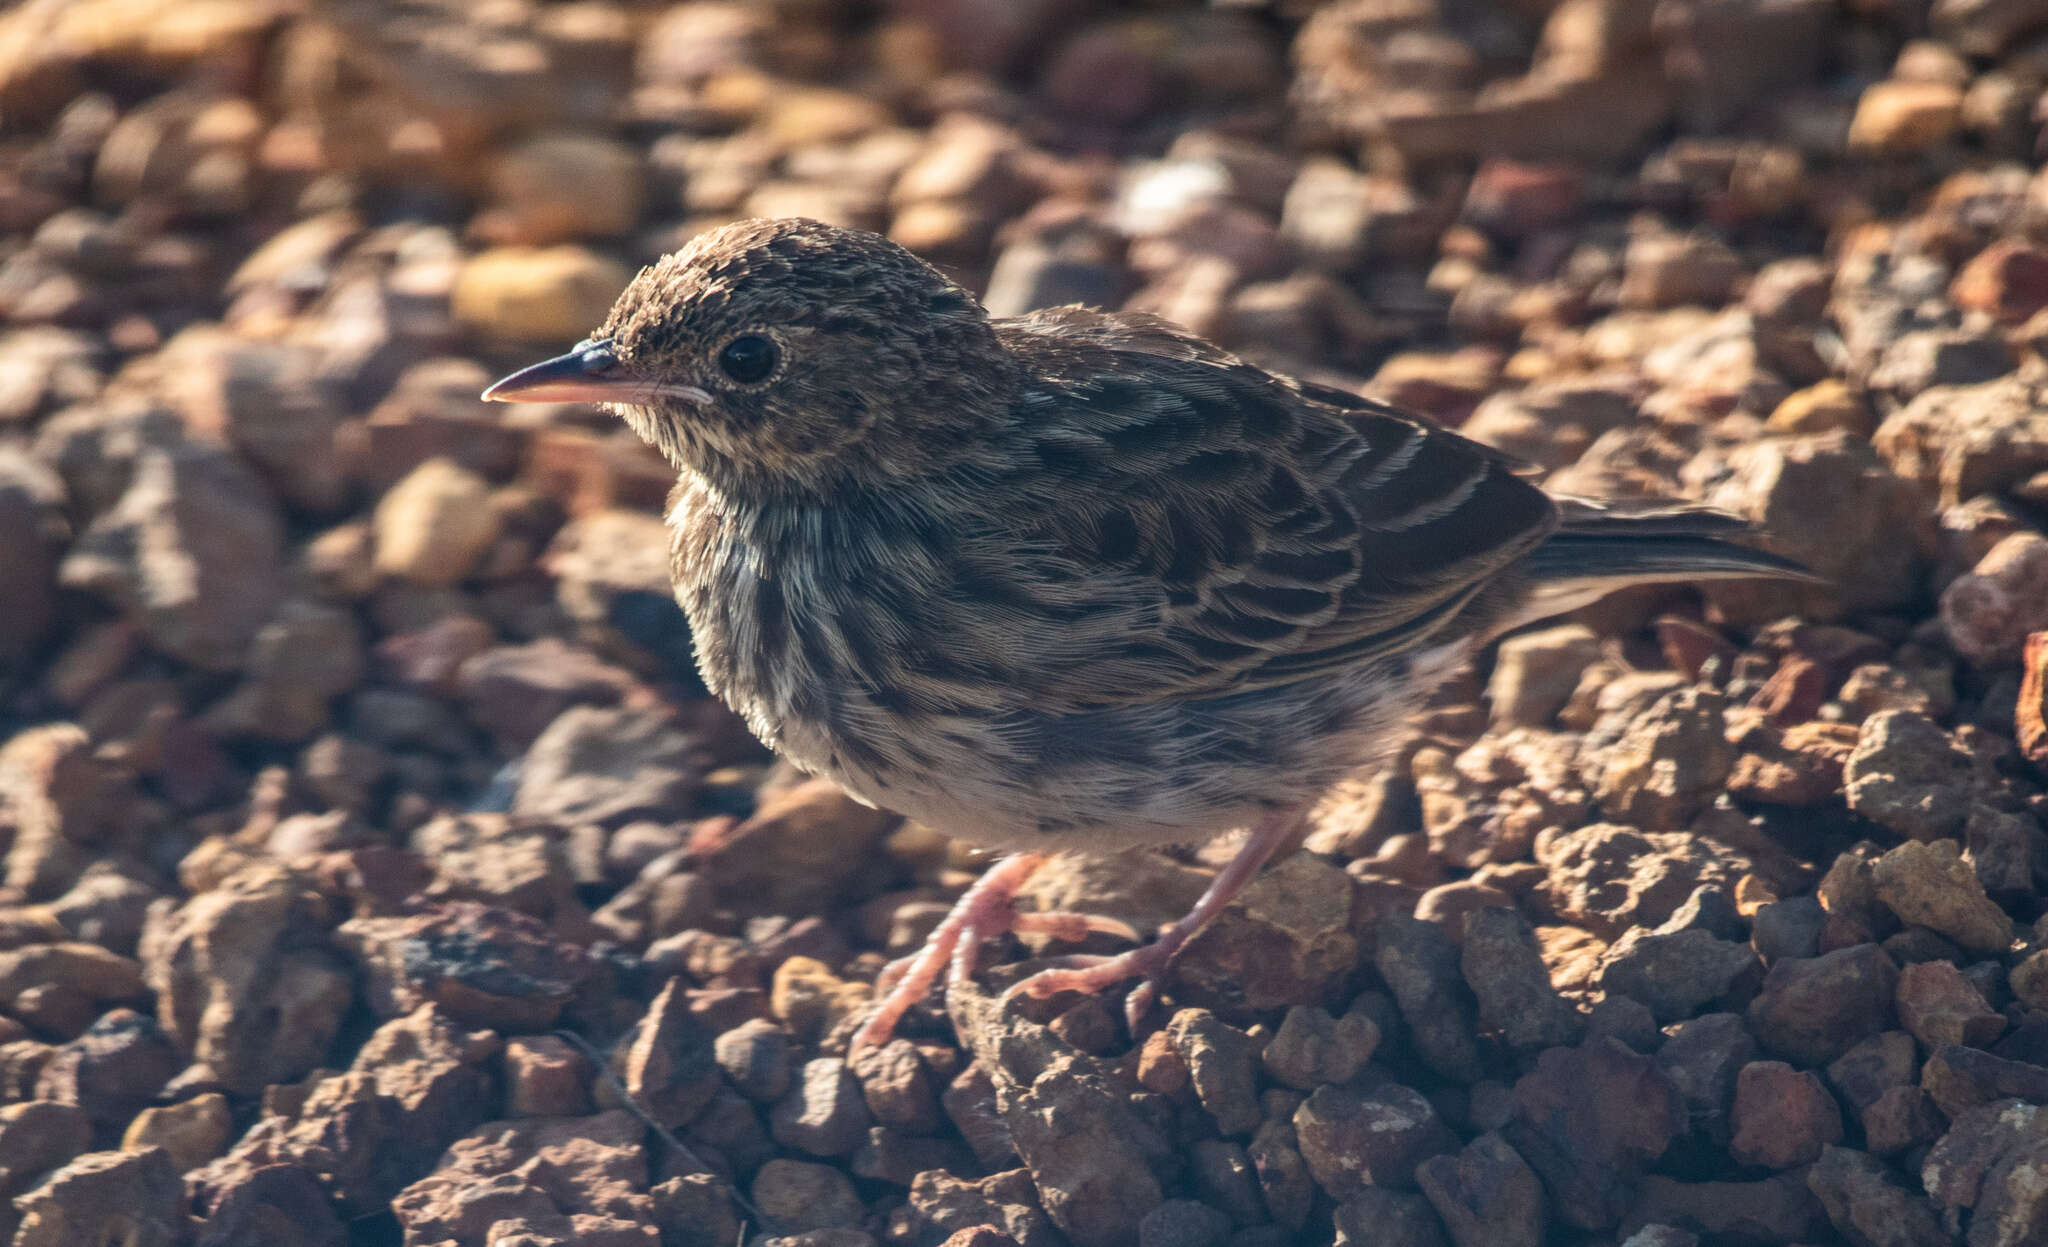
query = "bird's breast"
x=805 y=632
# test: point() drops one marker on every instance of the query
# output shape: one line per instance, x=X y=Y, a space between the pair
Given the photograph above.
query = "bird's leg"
x=1089 y=974
x=981 y=913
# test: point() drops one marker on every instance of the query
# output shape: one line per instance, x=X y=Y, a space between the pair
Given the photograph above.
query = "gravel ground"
x=376 y=871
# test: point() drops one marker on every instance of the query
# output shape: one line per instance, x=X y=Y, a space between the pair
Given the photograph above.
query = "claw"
x=983 y=911
x=892 y=974
x=1054 y=979
x=1139 y=1003
x=1072 y=927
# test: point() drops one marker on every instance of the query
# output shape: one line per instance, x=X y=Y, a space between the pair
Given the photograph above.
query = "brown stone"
x=1590 y=1120
x=243 y=981
x=1783 y=1117
x=1286 y=939
x=191 y=1132
x=486 y=967
x=584 y=1174
x=1939 y=1006
x=1353 y=1141
x=132 y=1198
x=1811 y=1010
x=1486 y=1194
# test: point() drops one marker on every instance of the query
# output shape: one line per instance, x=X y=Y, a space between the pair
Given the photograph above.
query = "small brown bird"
x=1071 y=581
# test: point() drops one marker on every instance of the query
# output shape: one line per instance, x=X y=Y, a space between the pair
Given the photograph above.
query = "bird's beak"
x=589 y=373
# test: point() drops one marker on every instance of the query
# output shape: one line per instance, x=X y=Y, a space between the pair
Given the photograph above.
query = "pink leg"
x=981 y=913
x=1090 y=974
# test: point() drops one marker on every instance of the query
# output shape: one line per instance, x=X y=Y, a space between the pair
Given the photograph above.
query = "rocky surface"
x=375 y=873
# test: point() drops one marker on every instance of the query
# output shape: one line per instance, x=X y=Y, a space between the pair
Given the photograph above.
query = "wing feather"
x=1263 y=532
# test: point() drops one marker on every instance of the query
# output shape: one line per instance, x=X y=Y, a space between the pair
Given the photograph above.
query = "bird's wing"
x=1266 y=535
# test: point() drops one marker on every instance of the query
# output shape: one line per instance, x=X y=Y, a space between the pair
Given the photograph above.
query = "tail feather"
x=1597 y=551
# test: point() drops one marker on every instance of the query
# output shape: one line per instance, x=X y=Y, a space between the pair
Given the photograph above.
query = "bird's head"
x=787 y=355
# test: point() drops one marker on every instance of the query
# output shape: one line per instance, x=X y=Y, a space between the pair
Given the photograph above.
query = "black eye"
x=748 y=358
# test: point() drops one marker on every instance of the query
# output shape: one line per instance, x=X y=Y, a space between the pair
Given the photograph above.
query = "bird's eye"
x=748 y=358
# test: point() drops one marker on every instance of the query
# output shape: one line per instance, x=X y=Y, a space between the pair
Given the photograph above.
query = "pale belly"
x=1175 y=772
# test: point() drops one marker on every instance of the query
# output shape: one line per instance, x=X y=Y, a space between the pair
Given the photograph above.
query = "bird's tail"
x=1599 y=549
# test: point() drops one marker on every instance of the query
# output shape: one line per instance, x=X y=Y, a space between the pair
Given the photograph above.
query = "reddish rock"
x=1220 y=1060
x=68 y=805
x=823 y=1113
x=804 y=1198
x=757 y=1057
x=612 y=577
x=514 y=691
x=1703 y=1057
x=1977 y=1149
x=1958 y=442
x=1590 y=1120
x=1939 y=1006
x=192 y=1131
x=2008 y=279
x=1798 y=489
x=1608 y=878
x=1800 y=767
x=266 y=400
x=433 y=412
x=298 y=663
x=37 y=1136
x=1675 y=973
x=514 y=863
x=609 y=766
x=243 y=980
x=1419 y=962
x=588 y=473
x=1910 y=776
x=2030 y=719
x=1873 y=1066
x=1783 y=1117
x=419 y=1082
x=30 y=495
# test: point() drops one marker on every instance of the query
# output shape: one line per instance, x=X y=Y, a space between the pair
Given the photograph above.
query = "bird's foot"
x=982 y=913
x=1092 y=974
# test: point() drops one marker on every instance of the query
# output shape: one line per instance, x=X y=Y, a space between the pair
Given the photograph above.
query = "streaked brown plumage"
x=1076 y=580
